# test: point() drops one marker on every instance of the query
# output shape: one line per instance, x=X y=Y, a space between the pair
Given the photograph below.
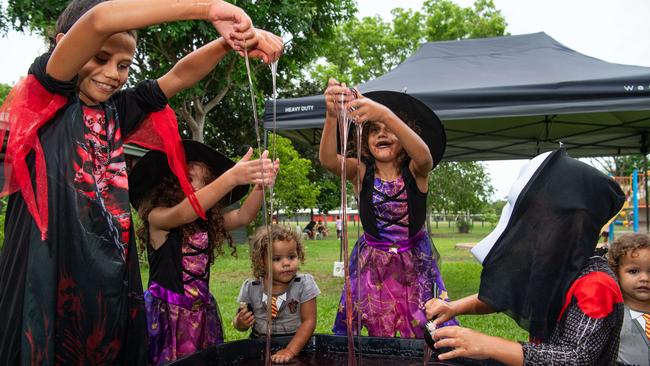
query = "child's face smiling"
x=634 y=277
x=382 y=142
x=285 y=262
x=108 y=70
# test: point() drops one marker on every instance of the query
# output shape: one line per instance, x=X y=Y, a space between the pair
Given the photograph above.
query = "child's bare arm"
x=304 y=332
x=193 y=67
x=442 y=311
x=328 y=156
x=244 y=172
x=87 y=36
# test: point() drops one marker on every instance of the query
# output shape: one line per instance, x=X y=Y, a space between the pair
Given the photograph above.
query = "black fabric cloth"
x=417 y=201
x=553 y=230
x=579 y=339
x=76 y=298
x=166 y=263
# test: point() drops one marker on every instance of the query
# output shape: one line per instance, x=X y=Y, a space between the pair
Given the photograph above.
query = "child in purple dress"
x=182 y=315
x=393 y=272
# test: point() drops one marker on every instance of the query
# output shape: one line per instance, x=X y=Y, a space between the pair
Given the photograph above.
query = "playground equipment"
x=635 y=199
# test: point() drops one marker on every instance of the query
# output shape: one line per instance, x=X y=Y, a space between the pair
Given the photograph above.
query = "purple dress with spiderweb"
x=182 y=315
x=393 y=271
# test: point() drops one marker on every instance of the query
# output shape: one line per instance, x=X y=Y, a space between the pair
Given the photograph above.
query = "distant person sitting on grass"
x=310 y=229
x=539 y=268
x=321 y=229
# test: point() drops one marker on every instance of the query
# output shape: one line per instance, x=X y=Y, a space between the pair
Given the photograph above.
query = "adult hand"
x=337 y=96
x=234 y=25
x=464 y=343
x=283 y=356
x=259 y=171
x=365 y=109
x=269 y=47
x=244 y=319
x=439 y=310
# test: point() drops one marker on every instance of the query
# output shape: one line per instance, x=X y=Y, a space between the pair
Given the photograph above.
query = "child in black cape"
x=540 y=269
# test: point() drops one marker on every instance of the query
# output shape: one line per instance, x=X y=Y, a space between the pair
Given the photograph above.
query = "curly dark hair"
x=626 y=243
x=260 y=243
x=168 y=194
x=366 y=156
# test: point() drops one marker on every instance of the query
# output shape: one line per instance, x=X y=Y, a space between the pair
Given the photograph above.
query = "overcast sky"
x=613 y=30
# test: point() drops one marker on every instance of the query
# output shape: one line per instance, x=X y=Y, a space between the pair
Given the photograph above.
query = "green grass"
x=460 y=272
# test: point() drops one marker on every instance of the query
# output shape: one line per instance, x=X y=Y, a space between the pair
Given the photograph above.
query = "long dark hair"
x=168 y=194
x=75 y=10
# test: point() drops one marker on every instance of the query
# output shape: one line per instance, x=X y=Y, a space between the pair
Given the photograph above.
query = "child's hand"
x=465 y=343
x=283 y=356
x=336 y=95
x=439 y=310
x=259 y=171
x=365 y=109
x=244 y=319
x=269 y=46
x=234 y=25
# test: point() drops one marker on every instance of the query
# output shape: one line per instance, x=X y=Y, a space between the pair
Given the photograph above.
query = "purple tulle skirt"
x=390 y=288
x=176 y=331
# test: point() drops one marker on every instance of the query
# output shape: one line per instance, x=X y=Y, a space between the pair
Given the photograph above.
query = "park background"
x=354 y=42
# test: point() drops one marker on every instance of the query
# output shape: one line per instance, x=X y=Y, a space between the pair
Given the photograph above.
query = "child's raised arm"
x=303 y=333
x=336 y=94
x=196 y=65
x=88 y=34
x=368 y=110
x=246 y=171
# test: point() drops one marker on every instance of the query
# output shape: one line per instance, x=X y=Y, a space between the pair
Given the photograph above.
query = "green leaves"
x=459 y=187
x=367 y=48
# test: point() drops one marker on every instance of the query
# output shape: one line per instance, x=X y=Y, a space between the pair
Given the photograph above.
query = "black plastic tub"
x=321 y=350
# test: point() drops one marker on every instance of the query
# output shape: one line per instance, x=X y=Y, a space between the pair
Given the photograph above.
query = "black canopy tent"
x=507 y=98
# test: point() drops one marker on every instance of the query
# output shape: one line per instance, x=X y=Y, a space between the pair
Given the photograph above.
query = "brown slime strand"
x=343 y=130
x=359 y=134
x=269 y=247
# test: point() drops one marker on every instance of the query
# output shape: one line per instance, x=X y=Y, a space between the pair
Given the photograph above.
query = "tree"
x=369 y=47
x=219 y=106
x=329 y=197
x=619 y=165
x=4 y=91
x=293 y=189
x=459 y=187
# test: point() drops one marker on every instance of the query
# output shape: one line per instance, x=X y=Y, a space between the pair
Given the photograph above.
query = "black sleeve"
x=134 y=104
x=67 y=88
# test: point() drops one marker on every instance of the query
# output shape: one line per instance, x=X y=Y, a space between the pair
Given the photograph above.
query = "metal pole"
x=635 y=199
x=644 y=151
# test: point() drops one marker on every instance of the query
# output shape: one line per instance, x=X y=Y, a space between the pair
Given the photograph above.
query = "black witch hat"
x=151 y=168
x=547 y=231
x=410 y=109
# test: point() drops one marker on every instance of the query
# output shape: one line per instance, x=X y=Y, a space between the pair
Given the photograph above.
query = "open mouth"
x=384 y=144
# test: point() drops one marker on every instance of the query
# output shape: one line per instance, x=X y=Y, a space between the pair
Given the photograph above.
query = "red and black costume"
x=70 y=287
